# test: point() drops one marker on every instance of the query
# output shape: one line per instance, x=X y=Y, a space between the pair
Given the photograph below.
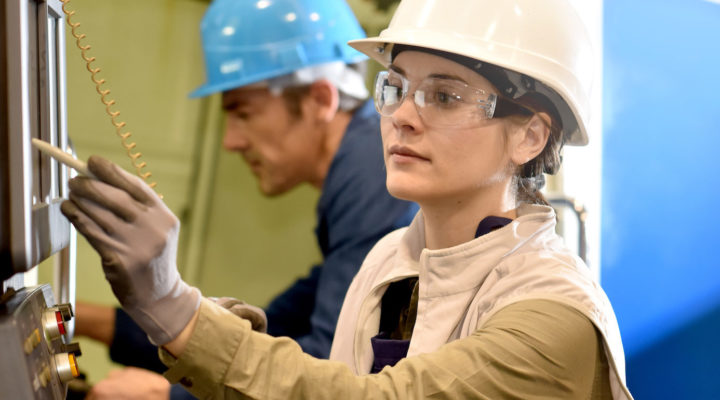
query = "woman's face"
x=449 y=164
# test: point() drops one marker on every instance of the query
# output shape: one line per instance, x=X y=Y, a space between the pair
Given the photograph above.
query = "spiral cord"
x=124 y=136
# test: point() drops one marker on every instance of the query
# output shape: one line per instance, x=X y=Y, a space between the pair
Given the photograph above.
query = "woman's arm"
x=532 y=349
x=177 y=345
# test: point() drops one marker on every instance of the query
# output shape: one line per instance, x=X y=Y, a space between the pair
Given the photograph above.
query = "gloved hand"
x=254 y=314
x=136 y=236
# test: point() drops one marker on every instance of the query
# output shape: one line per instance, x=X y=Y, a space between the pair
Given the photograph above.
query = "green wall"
x=234 y=241
x=146 y=51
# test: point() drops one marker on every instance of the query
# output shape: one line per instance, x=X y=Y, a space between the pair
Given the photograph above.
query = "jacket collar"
x=446 y=271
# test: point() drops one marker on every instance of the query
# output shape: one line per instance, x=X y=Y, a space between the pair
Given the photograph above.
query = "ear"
x=531 y=138
x=324 y=98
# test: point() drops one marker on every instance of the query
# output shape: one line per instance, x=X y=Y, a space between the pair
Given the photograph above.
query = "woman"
x=478 y=298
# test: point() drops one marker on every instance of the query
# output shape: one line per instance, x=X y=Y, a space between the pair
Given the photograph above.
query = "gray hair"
x=348 y=78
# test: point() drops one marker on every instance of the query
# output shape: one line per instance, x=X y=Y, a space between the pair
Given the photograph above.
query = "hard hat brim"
x=380 y=48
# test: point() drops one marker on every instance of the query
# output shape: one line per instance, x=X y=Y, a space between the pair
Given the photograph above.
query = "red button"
x=60 y=322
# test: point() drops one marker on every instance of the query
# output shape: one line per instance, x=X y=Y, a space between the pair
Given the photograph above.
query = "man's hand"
x=136 y=236
x=131 y=384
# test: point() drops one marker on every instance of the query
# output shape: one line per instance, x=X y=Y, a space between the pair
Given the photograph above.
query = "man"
x=294 y=98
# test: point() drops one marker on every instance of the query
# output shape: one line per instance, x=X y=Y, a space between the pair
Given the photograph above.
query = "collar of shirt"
x=491 y=223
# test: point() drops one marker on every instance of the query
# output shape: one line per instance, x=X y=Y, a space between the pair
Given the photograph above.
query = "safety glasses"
x=440 y=101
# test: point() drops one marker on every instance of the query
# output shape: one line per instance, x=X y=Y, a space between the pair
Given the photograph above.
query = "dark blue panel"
x=660 y=165
x=680 y=366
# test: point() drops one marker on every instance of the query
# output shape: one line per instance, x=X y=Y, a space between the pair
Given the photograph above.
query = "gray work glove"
x=254 y=314
x=136 y=236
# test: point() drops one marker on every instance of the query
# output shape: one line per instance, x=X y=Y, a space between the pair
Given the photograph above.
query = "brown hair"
x=293 y=96
x=529 y=178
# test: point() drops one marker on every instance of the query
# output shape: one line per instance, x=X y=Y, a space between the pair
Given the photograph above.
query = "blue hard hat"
x=247 y=41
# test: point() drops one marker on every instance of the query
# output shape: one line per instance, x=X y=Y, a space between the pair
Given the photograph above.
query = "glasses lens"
x=444 y=102
x=439 y=101
x=388 y=93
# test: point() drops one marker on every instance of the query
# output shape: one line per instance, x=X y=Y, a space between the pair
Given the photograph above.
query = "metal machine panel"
x=33 y=106
x=34 y=356
x=35 y=361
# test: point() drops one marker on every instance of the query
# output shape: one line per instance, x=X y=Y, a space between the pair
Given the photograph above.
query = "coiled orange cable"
x=124 y=137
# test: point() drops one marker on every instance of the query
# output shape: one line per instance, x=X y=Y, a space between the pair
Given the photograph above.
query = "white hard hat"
x=544 y=40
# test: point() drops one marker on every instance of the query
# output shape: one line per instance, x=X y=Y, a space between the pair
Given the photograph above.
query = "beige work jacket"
x=509 y=314
x=462 y=287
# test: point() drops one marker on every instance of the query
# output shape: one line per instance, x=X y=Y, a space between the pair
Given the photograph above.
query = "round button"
x=60 y=322
x=73 y=365
x=51 y=326
x=66 y=366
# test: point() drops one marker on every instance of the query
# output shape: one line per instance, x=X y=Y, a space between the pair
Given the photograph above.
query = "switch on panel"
x=35 y=362
x=32 y=341
x=54 y=321
x=66 y=366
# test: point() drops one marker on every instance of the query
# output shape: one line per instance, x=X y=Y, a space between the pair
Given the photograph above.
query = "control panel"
x=37 y=361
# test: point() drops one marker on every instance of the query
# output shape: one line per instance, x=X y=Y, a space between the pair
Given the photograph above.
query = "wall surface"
x=147 y=55
x=234 y=242
x=660 y=218
x=237 y=243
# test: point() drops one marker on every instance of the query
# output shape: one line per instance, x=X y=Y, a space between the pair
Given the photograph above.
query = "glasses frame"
x=493 y=106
